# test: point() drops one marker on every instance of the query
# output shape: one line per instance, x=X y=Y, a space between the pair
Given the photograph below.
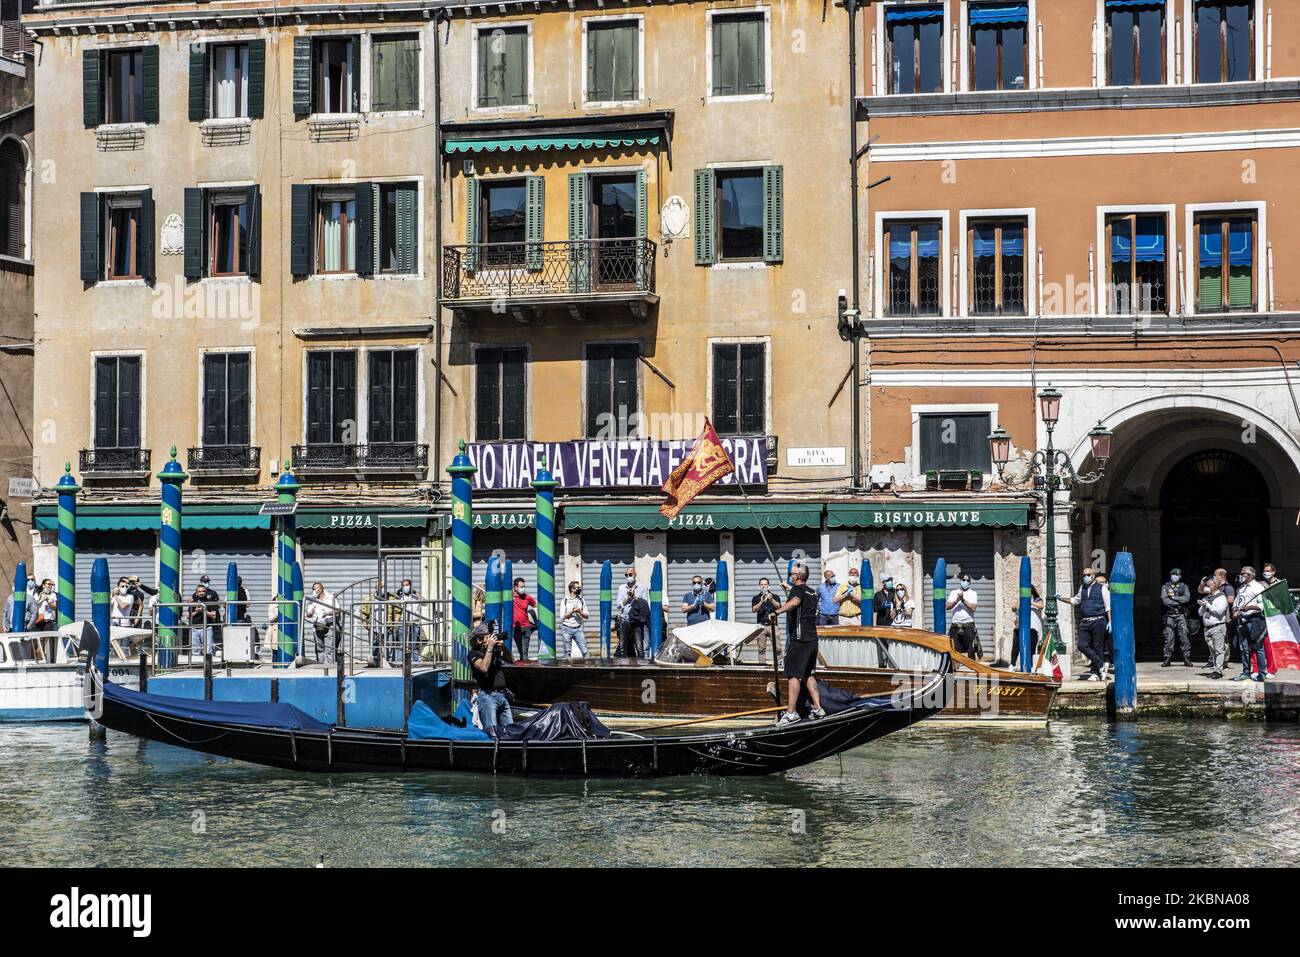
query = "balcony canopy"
x=522 y=144
x=645 y=130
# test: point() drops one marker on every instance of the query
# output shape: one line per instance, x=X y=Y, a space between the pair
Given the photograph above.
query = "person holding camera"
x=961 y=604
x=695 y=603
x=763 y=605
x=486 y=656
x=633 y=615
x=572 y=613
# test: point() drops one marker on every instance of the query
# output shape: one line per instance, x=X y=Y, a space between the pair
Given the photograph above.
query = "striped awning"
x=926 y=515
x=723 y=516
x=524 y=144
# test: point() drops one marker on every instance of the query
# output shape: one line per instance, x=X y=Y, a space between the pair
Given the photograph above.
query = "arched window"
x=13 y=200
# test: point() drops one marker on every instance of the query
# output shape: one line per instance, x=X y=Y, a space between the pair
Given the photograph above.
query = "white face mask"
x=1268 y=575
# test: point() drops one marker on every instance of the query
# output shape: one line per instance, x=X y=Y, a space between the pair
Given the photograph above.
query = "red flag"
x=707 y=463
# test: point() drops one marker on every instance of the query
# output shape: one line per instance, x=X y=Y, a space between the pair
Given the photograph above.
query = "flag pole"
x=761 y=534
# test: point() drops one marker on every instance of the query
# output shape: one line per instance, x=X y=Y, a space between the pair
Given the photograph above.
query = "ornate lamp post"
x=1051 y=470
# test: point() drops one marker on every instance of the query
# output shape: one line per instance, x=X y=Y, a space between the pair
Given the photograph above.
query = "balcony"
x=236 y=461
x=115 y=463
x=394 y=458
x=573 y=274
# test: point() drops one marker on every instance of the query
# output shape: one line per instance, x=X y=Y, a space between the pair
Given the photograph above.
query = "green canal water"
x=1084 y=793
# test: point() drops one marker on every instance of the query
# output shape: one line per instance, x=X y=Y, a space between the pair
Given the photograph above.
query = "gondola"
x=282 y=736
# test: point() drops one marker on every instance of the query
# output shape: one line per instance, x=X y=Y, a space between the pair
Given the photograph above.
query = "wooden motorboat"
x=863 y=660
x=280 y=735
x=42 y=677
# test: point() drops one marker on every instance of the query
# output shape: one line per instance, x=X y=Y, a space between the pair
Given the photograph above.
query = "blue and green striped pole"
x=295 y=637
x=507 y=569
x=1122 y=579
x=67 y=488
x=656 y=608
x=286 y=491
x=606 y=604
x=939 y=593
x=1026 y=601
x=172 y=477
x=544 y=487
x=721 y=591
x=232 y=591
x=99 y=615
x=461 y=471
x=19 y=622
x=492 y=592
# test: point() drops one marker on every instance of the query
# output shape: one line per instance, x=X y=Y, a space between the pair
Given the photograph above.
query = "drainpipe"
x=851 y=7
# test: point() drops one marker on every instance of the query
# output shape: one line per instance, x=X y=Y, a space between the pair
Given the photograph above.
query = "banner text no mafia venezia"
x=604 y=463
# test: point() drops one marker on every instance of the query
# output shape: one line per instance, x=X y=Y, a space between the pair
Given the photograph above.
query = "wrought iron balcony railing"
x=225 y=458
x=575 y=269
x=374 y=457
x=114 y=461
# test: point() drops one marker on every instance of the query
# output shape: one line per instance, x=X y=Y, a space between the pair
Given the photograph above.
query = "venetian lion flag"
x=707 y=463
x=1283 y=636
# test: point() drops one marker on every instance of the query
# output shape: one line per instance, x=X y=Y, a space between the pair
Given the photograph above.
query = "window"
x=1224 y=40
x=740 y=388
x=394 y=396
x=500 y=394
x=612 y=404
x=502 y=67
x=123 y=221
x=222 y=232
x=228 y=240
x=336 y=231
x=955 y=441
x=996 y=274
x=334 y=85
x=226 y=399
x=13 y=200
x=398 y=228
x=395 y=72
x=124 y=85
x=229 y=81
x=1226 y=282
x=913 y=270
x=915 y=56
x=332 y=398
x=502 y=215
x=739 y=65
x=117 y=236
x=739 y=215
x=613 y=61
x=117 y=402
x=1135 y=42
x=1139 y=276
x=999 y=46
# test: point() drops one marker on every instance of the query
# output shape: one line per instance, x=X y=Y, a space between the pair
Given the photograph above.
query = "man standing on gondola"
x=801 y=658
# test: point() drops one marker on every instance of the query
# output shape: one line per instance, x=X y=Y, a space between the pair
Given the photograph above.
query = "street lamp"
x=1051 y=468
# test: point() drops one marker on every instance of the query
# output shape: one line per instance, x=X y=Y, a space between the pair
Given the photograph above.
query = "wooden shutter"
x=625 y=399
x=408 y=229
x=149 y=82
x=91 y=240
x=706 y=240
x=146 y=247
x=726 y=387
x=487 y=395
x=516 y=67
x=579 y=232
x=598 y=88
x=345 y=396
x=489 y=79
x=196 y=231
x=238 y=373
x=405 y=394
x=366 y=247
x=92 y=88
x=198 y=82
x=380 y=419
x=302 y=63
x=253 y=207
x=105 y=402
x=319 y=373
x=626 y=75
x=600 y=364
x=256 y=78
x=641 y=228
x=534 y=220
x=725 y=56
x=471 y=224
x=773 y=216
x=300 y=226
x=513 y=395
x=751 y=75
x=128 y=402
x=215 y=392
x=752 y=391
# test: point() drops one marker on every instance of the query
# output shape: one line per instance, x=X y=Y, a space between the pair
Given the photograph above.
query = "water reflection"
x=1087 y=792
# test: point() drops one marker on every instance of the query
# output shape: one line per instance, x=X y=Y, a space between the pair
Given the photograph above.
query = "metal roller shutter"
x=254 y=566
x=752 y=563
x=964 y=550
x=126 y=554
x=688 y=556
x=595 y=551
x=338 y=570
x=521 y=550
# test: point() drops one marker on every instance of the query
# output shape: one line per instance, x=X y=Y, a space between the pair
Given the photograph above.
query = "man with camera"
x=763 y=605
x=961 y=604
x=486 y=656
x=632 y=612
x=696 y=604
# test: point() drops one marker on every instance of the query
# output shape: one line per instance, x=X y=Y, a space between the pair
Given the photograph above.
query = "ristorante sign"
x=605 y=463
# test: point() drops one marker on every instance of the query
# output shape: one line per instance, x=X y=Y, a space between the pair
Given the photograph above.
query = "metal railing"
x=589 y=268
x=224 y=458
x=115 y=460
x=372 y=457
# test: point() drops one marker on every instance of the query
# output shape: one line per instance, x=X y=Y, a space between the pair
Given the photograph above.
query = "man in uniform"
x=801 y=658
x=1174 y=597
x=1093 y=601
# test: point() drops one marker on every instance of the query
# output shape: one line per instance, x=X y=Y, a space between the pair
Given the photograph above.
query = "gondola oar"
x=712 y=717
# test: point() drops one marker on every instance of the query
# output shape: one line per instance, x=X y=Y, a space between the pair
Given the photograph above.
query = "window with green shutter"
x=579 y=232
x=739 y=62
x=398 y=228
x=394 y=72
x=502 y=67
x=1225 y=263
x=92 y=88
x=706 y=244
x=613 y=61
x=534 y=220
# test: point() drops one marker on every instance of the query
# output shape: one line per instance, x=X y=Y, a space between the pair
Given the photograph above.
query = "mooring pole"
x=544 y=503
x=1122 y=579
x=172 y=477
x=144 y=672
x=606 y=604
x=67 y=488
x=722 y=591
x=462 y=471
x=656 y=607
x=1026 y=611
x=207 y=676
x=19 y=622
x=99 y=617
x=406 y=687
x=286 y=491
x=939 y=592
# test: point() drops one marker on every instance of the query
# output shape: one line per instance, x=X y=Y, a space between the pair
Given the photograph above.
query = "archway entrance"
x=1215 y=515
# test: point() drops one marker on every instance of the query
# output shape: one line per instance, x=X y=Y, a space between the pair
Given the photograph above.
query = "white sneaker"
x=816 y=713
x=1105 y=670
x=787 y=718
x=1094 y=677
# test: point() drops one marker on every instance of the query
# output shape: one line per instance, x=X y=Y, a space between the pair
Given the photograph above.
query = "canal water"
x=1084 y=793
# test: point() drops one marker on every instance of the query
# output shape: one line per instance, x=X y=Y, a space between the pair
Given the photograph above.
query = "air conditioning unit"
x=881 y=477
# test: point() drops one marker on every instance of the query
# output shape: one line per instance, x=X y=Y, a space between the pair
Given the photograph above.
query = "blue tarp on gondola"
x=258 y=714
x=425 y=725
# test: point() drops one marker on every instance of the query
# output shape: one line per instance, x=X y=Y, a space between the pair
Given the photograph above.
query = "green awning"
x=347 y=518
x=521 y=144
x=926 y=514
x=722 y=515
x=137 y=521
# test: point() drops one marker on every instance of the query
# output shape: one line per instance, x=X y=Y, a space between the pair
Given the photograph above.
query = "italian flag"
x=1051 y=665
x=1283 y=638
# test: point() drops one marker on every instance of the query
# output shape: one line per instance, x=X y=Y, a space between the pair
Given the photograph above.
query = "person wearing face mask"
x=763 y=605
x=1215 y=610
x=1249 y=611
x=121 y=606
x=1093 y=602
x=695 y=603
x=850 y=598
x=632 y=610
x=319 y=612
x=882 y=603
x=572 y=613
x=525 y=618
x=904 y=609
x=828 y=604
x=1174 y=598
x=961 y=604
